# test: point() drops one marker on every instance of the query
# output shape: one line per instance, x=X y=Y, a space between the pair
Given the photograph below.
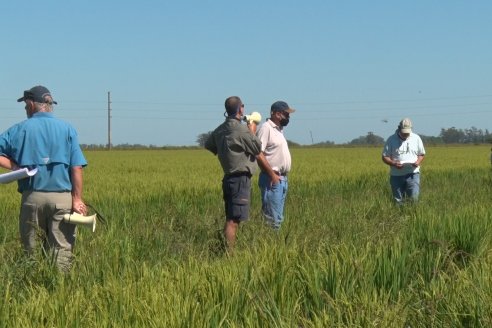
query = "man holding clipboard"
x=404 y=152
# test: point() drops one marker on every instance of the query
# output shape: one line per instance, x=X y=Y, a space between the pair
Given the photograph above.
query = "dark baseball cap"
x=281 y=106
x=38 y=94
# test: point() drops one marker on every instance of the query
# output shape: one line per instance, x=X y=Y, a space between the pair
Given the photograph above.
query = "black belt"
x=238 y=174
x=280 y=174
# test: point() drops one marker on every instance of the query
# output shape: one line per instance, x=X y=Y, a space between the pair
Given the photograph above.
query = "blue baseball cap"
x=281 y=106
x=38 y=94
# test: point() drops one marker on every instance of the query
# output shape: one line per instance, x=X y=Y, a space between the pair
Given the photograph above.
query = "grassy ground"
x=345 y=256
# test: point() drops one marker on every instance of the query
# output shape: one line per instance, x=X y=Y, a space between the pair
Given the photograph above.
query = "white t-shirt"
x=274 y=146
x=404 y=151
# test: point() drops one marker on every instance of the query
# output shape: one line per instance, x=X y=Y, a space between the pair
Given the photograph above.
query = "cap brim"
x=290 y=110
x=23 y=99
x=406 y=130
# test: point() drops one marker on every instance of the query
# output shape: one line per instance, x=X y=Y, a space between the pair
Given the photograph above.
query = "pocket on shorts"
x=241 y=191
x=60 y=211
x=28 y=212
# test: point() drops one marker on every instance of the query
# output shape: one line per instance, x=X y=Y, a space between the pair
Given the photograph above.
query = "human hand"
x=252 y=126
x=398 y=165
x=78 y=206
x=275 y=179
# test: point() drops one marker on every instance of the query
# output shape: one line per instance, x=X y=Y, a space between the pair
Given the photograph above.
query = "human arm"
x=7 y=163
x=420 y=159
x=77 y=183
x=6 y=160
x=265 y=167
x=420 y=153
x=263 y=135
x=391 y=162
x=210 y=144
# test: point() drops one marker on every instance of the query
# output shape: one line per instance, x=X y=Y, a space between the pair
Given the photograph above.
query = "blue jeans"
x=405 y=186
x=273 y=199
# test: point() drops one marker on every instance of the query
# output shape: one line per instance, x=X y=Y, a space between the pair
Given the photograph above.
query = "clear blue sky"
x=346 y=66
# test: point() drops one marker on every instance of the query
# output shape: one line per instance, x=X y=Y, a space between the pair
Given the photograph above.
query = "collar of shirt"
x=42 y=114
x=231 y=118
x=273 y=125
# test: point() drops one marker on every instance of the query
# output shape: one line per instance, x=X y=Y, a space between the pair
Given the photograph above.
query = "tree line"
x=451 y=135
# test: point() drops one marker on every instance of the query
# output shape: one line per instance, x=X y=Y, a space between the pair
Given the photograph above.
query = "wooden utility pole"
x=109 y=120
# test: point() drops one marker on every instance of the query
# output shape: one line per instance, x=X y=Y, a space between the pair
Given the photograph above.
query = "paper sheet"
x=16 y=175
x=407 y=163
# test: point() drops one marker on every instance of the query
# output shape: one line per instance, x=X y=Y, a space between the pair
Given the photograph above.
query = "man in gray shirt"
x=238 y=149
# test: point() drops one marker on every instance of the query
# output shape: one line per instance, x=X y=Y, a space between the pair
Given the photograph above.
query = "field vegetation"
x=345 y=256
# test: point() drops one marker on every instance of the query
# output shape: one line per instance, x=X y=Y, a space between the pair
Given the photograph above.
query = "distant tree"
x=202 y=138
x=488 y=136
x=474 y=135
x=369 y=139
x=452 y=135
x=430 y=140
x=324 y=144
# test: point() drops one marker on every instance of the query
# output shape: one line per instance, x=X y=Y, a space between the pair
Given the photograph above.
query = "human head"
x=38 y=94
x=405 y=128
x=37 y=99
x=280 y=113
x=233 y=106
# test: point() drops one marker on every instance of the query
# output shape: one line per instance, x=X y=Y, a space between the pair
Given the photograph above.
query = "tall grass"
x=345 y=256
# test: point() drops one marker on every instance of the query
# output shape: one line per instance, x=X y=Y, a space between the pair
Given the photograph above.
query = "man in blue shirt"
x=51 y=146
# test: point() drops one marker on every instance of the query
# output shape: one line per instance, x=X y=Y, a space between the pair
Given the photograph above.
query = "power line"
x=301 y=103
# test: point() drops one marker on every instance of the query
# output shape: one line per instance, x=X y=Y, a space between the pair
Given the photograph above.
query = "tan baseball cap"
x=405 y=126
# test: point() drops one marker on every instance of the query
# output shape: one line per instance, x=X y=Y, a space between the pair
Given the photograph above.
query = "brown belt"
x=280 y=174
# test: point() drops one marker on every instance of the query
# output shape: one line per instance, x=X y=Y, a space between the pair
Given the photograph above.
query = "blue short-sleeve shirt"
x=48 y=144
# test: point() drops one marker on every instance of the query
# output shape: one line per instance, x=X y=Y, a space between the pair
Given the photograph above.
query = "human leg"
x=230 y=231
x=413 y=186
x=265 y=190
x=236 y=191
x=273 y=200
x=31 y=224
x=397 y=188
x=61 y=234
x=42 y=216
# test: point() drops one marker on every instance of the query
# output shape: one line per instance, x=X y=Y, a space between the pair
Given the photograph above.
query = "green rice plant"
x=345 y=256
x=392 y=268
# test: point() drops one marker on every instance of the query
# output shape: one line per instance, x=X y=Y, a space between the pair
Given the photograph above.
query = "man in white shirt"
x=404 y=152
x=275 y=148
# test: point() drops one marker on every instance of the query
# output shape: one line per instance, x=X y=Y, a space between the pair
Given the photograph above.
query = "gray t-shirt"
x=235 y=146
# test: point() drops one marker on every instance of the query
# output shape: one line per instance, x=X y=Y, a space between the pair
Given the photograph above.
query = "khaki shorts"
x=41 y=219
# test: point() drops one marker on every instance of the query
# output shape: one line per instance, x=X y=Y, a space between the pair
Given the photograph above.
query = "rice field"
x=345 y=256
